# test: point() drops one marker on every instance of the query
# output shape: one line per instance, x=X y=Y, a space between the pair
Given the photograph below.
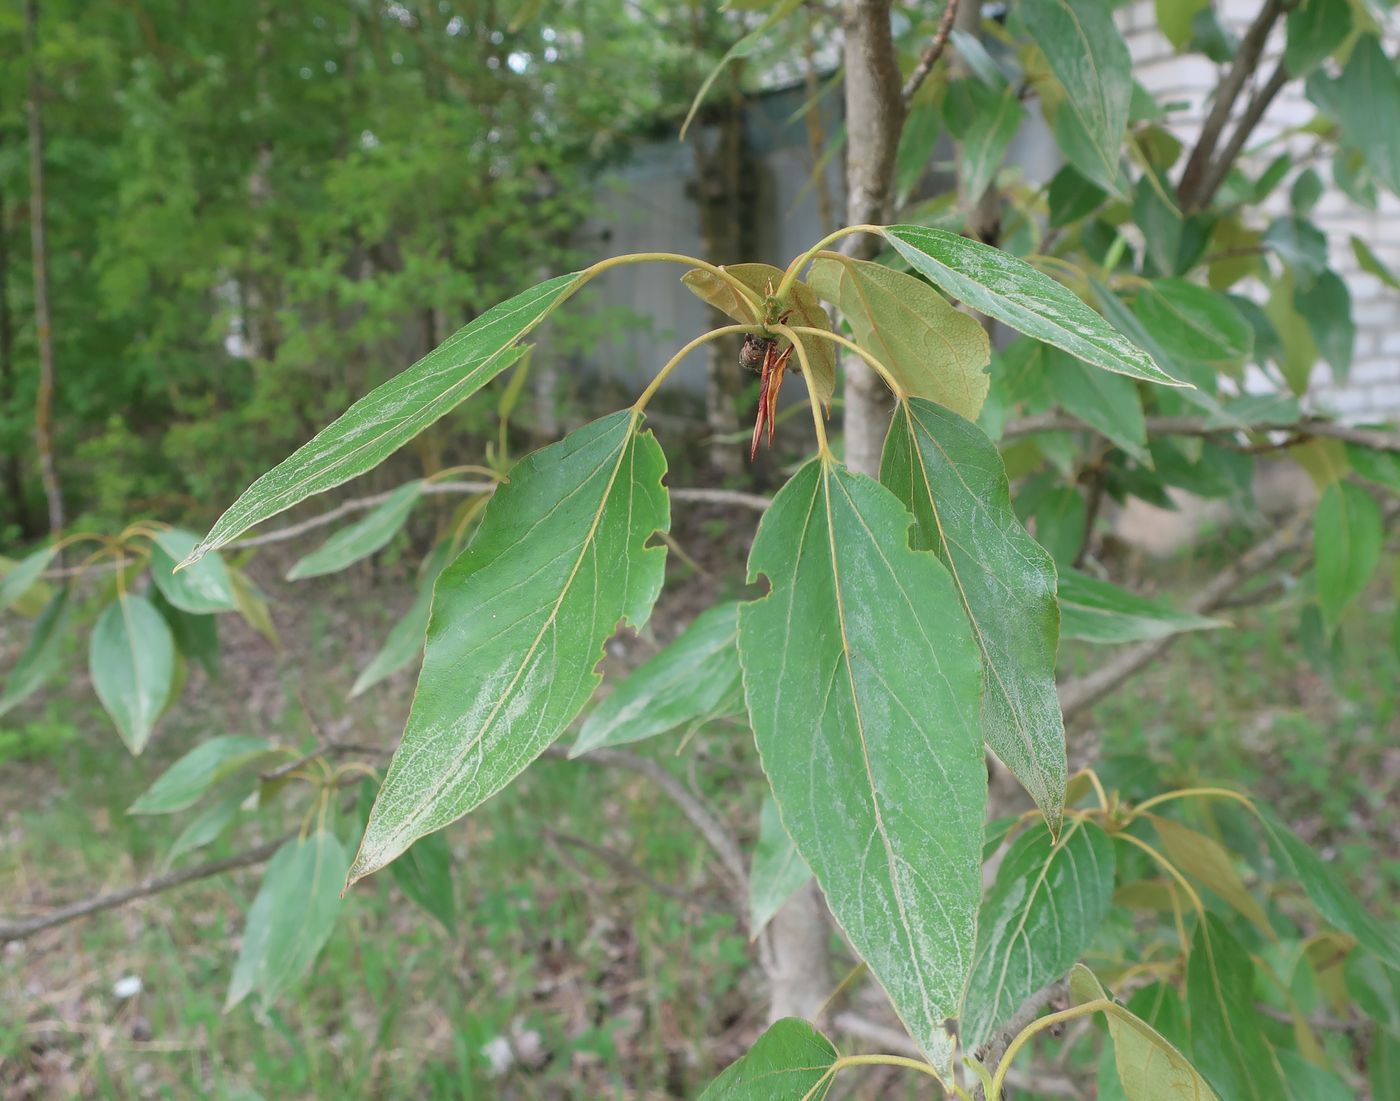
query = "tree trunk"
x=43 y=405
x=874 y=119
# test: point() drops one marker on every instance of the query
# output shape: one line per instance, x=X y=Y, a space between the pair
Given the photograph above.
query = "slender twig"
x=932 y=52
x=625 y=868
x=1311 y=427
x=154 y=885
x=1258 y=104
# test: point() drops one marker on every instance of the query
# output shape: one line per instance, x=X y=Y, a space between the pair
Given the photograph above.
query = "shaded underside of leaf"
x=518 y=624
x=951 y=477
x=862 y=681
x=935 y=351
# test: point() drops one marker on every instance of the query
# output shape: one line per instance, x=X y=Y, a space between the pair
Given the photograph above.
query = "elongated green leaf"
x=1205 y=859
x=933 y=350
x=1194 y=323
x=24 y=575
x=691 y=681
x=1333 y=899
x=360 y=540
x=781 y=10
x=203 y=588
x=792 y=1061
x=1041 y=915
x=41 y=653
x=405 y=641
x=1347 y=537
x=1368 y=101
x=873 y=750
x=182 y=784
x=1098 y=611
x=1089 y=58
x=806 y=310
x=1326 y=307
x=1060 y=517
x=1225 y=1037
x=1380 y=467
x=1108 y=402
x=291 y=919
x=387 y=418
x=424 y=874
x=1150 y=1067
x=950 y=476
x=131 y=656
x=1315 y=29
x=778 y=869
x=1370 y=262
x=206 y=826
x=518 y=624
x=986 y=140
x=252 y=606
x=1013 y=292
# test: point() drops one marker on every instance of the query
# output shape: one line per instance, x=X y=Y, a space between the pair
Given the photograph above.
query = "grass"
x=605 y=988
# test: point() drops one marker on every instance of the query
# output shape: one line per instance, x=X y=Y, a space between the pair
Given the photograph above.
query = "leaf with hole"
x=947 y=472
x=131 y=657
x=1010 y=290
x=518 y=624
x=1041 y=915
x=933 y=350
x=291 y=918
x=361 y=539
x=388 y=417
x=692 y=681
x=874 y=752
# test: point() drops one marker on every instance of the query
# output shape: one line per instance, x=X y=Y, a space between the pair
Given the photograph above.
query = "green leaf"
x=873 y=750
x=1175 y=17
x=742 y=48
x=1306 y=191
x=792 y=1061
x=1334 y=899
x=1060 y=517
x=252 y=606
x=1226 y=1040
x=693 y=680
x=405 y=641
x=1296 y=353
x=196 y=636
x=951 y=477
x=361 y=539
x=24 y=575
x=933 y=350
x=518 y=624
x=1368 y=103
x=1307 y=1082
x=806 y=310
x=1108 y=402
x=1150 y=1068
x=201 y=589
x=1013 y=292
x=1205 y=859
x=1072 y=197
x=778 y=869
x=291 y=918
x=388 y=417
x=986 y=141
x=1380 y=467
x=1098 y=611
x=131 y=657
x=1326 y=307
x=1347 y=537
x=1372 y=263
x=41 y=655
x=184 y=782
x=1194 y=323
x=1298 y=243
x=1384 y=1066
x=424 y=874
x=206 y=826
x=1090 y=60
x=1315 y=29
x=1040 y=916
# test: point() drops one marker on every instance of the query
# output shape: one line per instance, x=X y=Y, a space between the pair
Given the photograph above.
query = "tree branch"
x=931 y=54
x=1258 y=104
x=1246 y=62
x=1311 y=427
